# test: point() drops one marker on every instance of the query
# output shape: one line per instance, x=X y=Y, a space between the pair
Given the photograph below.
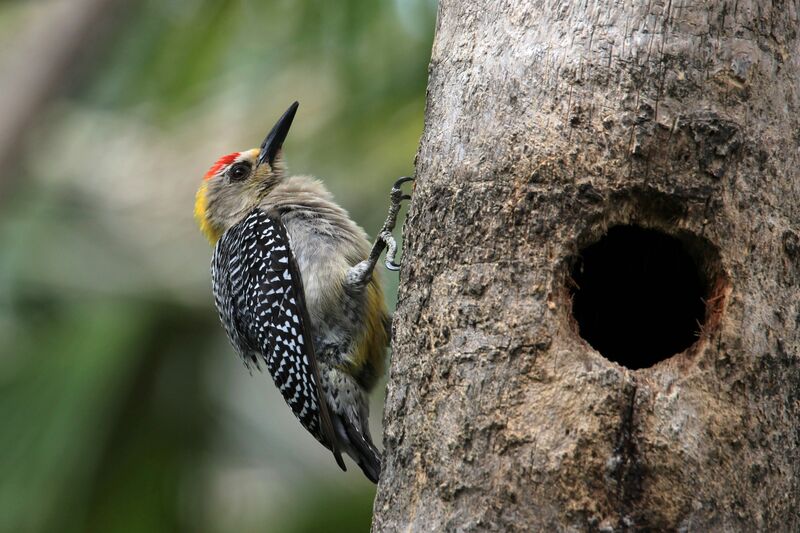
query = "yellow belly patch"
x=370 y=351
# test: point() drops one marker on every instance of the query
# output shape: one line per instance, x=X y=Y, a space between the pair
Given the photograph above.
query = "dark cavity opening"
x=639 y=296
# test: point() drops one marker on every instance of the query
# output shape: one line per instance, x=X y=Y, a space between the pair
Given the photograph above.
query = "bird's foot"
x=396 y=197
x=361 y=273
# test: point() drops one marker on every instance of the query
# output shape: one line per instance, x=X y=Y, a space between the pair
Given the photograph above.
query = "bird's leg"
x=385 y=237
x=360 y=274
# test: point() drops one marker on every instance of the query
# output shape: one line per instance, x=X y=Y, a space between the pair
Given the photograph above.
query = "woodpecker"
x=295 y=288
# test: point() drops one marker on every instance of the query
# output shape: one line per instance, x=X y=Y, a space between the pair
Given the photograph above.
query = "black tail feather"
x=359 y=446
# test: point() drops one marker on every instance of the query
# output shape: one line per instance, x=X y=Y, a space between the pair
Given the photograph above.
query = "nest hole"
x=640 y=295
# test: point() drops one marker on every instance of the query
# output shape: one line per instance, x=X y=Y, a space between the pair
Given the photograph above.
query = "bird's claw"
x=401 y=181
x=391 y=250
x=397 y=194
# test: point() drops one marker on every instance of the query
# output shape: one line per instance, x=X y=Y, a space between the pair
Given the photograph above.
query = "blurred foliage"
x=124 y=408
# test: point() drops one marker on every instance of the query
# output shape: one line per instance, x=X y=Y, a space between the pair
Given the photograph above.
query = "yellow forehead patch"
x=201 y=214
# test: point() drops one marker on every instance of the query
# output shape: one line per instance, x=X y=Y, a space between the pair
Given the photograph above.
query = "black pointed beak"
x=272 y=144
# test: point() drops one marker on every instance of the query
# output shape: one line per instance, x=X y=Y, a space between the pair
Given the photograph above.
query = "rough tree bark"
x=547 y=123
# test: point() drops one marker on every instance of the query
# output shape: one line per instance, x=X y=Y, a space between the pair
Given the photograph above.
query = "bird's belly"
x=323 y=269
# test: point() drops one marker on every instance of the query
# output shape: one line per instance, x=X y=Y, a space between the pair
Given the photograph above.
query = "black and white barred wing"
x=258 y=291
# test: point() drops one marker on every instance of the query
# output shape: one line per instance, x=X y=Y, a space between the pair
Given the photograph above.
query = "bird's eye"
x=239 y=171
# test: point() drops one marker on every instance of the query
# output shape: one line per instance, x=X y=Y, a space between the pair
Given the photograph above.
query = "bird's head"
x=237 y=182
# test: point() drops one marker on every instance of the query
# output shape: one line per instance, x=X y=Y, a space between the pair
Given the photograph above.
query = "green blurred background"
x=123 y=407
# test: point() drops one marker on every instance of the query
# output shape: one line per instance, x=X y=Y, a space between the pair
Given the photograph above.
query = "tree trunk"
x=577 y=156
